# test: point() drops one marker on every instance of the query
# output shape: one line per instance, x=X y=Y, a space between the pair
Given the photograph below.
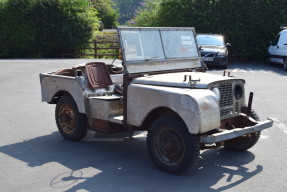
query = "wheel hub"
x=169 y=147
x=67 y=118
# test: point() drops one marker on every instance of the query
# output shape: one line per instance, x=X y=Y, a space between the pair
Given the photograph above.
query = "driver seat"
x=98 y=75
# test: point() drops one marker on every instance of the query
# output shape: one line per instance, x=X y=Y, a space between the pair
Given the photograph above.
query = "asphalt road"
x=34 y=157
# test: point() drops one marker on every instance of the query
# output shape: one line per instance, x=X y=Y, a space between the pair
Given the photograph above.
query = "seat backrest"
x=98 y=75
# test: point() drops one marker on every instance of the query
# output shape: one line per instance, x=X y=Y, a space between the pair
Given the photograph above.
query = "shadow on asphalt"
x=254 y=66
x=125 y=166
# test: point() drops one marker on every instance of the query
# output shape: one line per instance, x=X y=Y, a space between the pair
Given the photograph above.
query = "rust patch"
x=104 y=126
x=205 y=106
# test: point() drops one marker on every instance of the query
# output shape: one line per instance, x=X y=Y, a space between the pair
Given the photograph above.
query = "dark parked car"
x=213 y=50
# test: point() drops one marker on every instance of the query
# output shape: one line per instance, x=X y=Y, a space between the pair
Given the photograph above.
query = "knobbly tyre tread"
x=191 y=143
x=80 y=130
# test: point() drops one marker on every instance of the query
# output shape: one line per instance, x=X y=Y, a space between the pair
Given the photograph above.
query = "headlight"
x=216 y=91
x=222 y=53
x=238 y=91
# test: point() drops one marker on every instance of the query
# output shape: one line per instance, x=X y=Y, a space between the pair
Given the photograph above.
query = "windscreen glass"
x=145 y=45
x=215 y=40
x=179 y=44
x=142 y=45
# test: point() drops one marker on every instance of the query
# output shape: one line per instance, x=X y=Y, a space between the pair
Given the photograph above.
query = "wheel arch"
x=78 y=100
x=155 y=113
x=58 y=95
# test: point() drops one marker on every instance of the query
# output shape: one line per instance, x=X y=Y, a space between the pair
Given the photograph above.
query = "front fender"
x=198 y=108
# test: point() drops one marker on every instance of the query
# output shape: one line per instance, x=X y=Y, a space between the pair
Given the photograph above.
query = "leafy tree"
x=106 y=12
x=247 y=25
x=127 y=9
x=147 y=13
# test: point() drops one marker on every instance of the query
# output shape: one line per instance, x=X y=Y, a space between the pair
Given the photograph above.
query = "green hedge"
x=247 y=25
x=44 y=28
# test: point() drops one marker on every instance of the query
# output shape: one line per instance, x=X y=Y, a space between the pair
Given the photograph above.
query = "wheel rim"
x=67 y=118
x=169 y=147
x=268 y=59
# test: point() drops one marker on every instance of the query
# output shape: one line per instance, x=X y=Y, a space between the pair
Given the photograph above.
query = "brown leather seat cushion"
x=98 y=75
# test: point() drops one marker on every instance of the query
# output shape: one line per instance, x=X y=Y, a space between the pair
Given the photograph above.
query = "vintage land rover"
x=162 y=88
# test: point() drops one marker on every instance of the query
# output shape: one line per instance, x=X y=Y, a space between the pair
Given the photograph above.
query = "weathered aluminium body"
x=163 y=89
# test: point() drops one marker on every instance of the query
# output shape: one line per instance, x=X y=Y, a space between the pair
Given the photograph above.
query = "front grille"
x=226 y=96
x=207 y=54
x=226 y=112
x=237 y=107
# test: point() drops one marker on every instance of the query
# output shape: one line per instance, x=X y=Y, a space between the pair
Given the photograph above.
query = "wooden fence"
x=94 y=48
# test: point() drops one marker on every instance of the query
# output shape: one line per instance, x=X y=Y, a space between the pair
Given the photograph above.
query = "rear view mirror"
x=228 y=45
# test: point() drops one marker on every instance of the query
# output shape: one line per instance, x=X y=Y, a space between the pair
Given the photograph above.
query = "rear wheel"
x=245 y=142
x=226 y=64
x=269 y=59
x=71 y=123
x=171 y=147
x=285 y=64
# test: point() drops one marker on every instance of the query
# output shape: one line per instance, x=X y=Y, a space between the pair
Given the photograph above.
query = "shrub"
x=45 y=28
x=17 y=38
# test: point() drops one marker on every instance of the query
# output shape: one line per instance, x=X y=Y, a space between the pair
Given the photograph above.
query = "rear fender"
x=51 y=85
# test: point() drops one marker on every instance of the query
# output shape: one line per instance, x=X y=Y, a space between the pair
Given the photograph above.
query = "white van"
x=277 y=51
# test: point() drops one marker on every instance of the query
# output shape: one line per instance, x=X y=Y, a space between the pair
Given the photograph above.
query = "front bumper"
x=217 y=61
x=237 y=132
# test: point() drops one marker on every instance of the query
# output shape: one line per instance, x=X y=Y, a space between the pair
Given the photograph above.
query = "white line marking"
x=280 y=125
x=265 y=135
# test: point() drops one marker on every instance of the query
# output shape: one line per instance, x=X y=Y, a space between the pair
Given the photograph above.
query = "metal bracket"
x=228 y=75
x=249 y=104
x=190 y=80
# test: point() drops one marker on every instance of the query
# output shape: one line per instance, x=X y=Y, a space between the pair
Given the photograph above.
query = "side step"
x=117 y=119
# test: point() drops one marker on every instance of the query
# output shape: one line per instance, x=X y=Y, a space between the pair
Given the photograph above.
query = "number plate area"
x=207 y=58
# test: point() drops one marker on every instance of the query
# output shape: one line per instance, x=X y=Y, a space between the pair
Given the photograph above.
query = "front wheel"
x=171 y=147
x=245 y=142
x=71 y=123
x=285 y=64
